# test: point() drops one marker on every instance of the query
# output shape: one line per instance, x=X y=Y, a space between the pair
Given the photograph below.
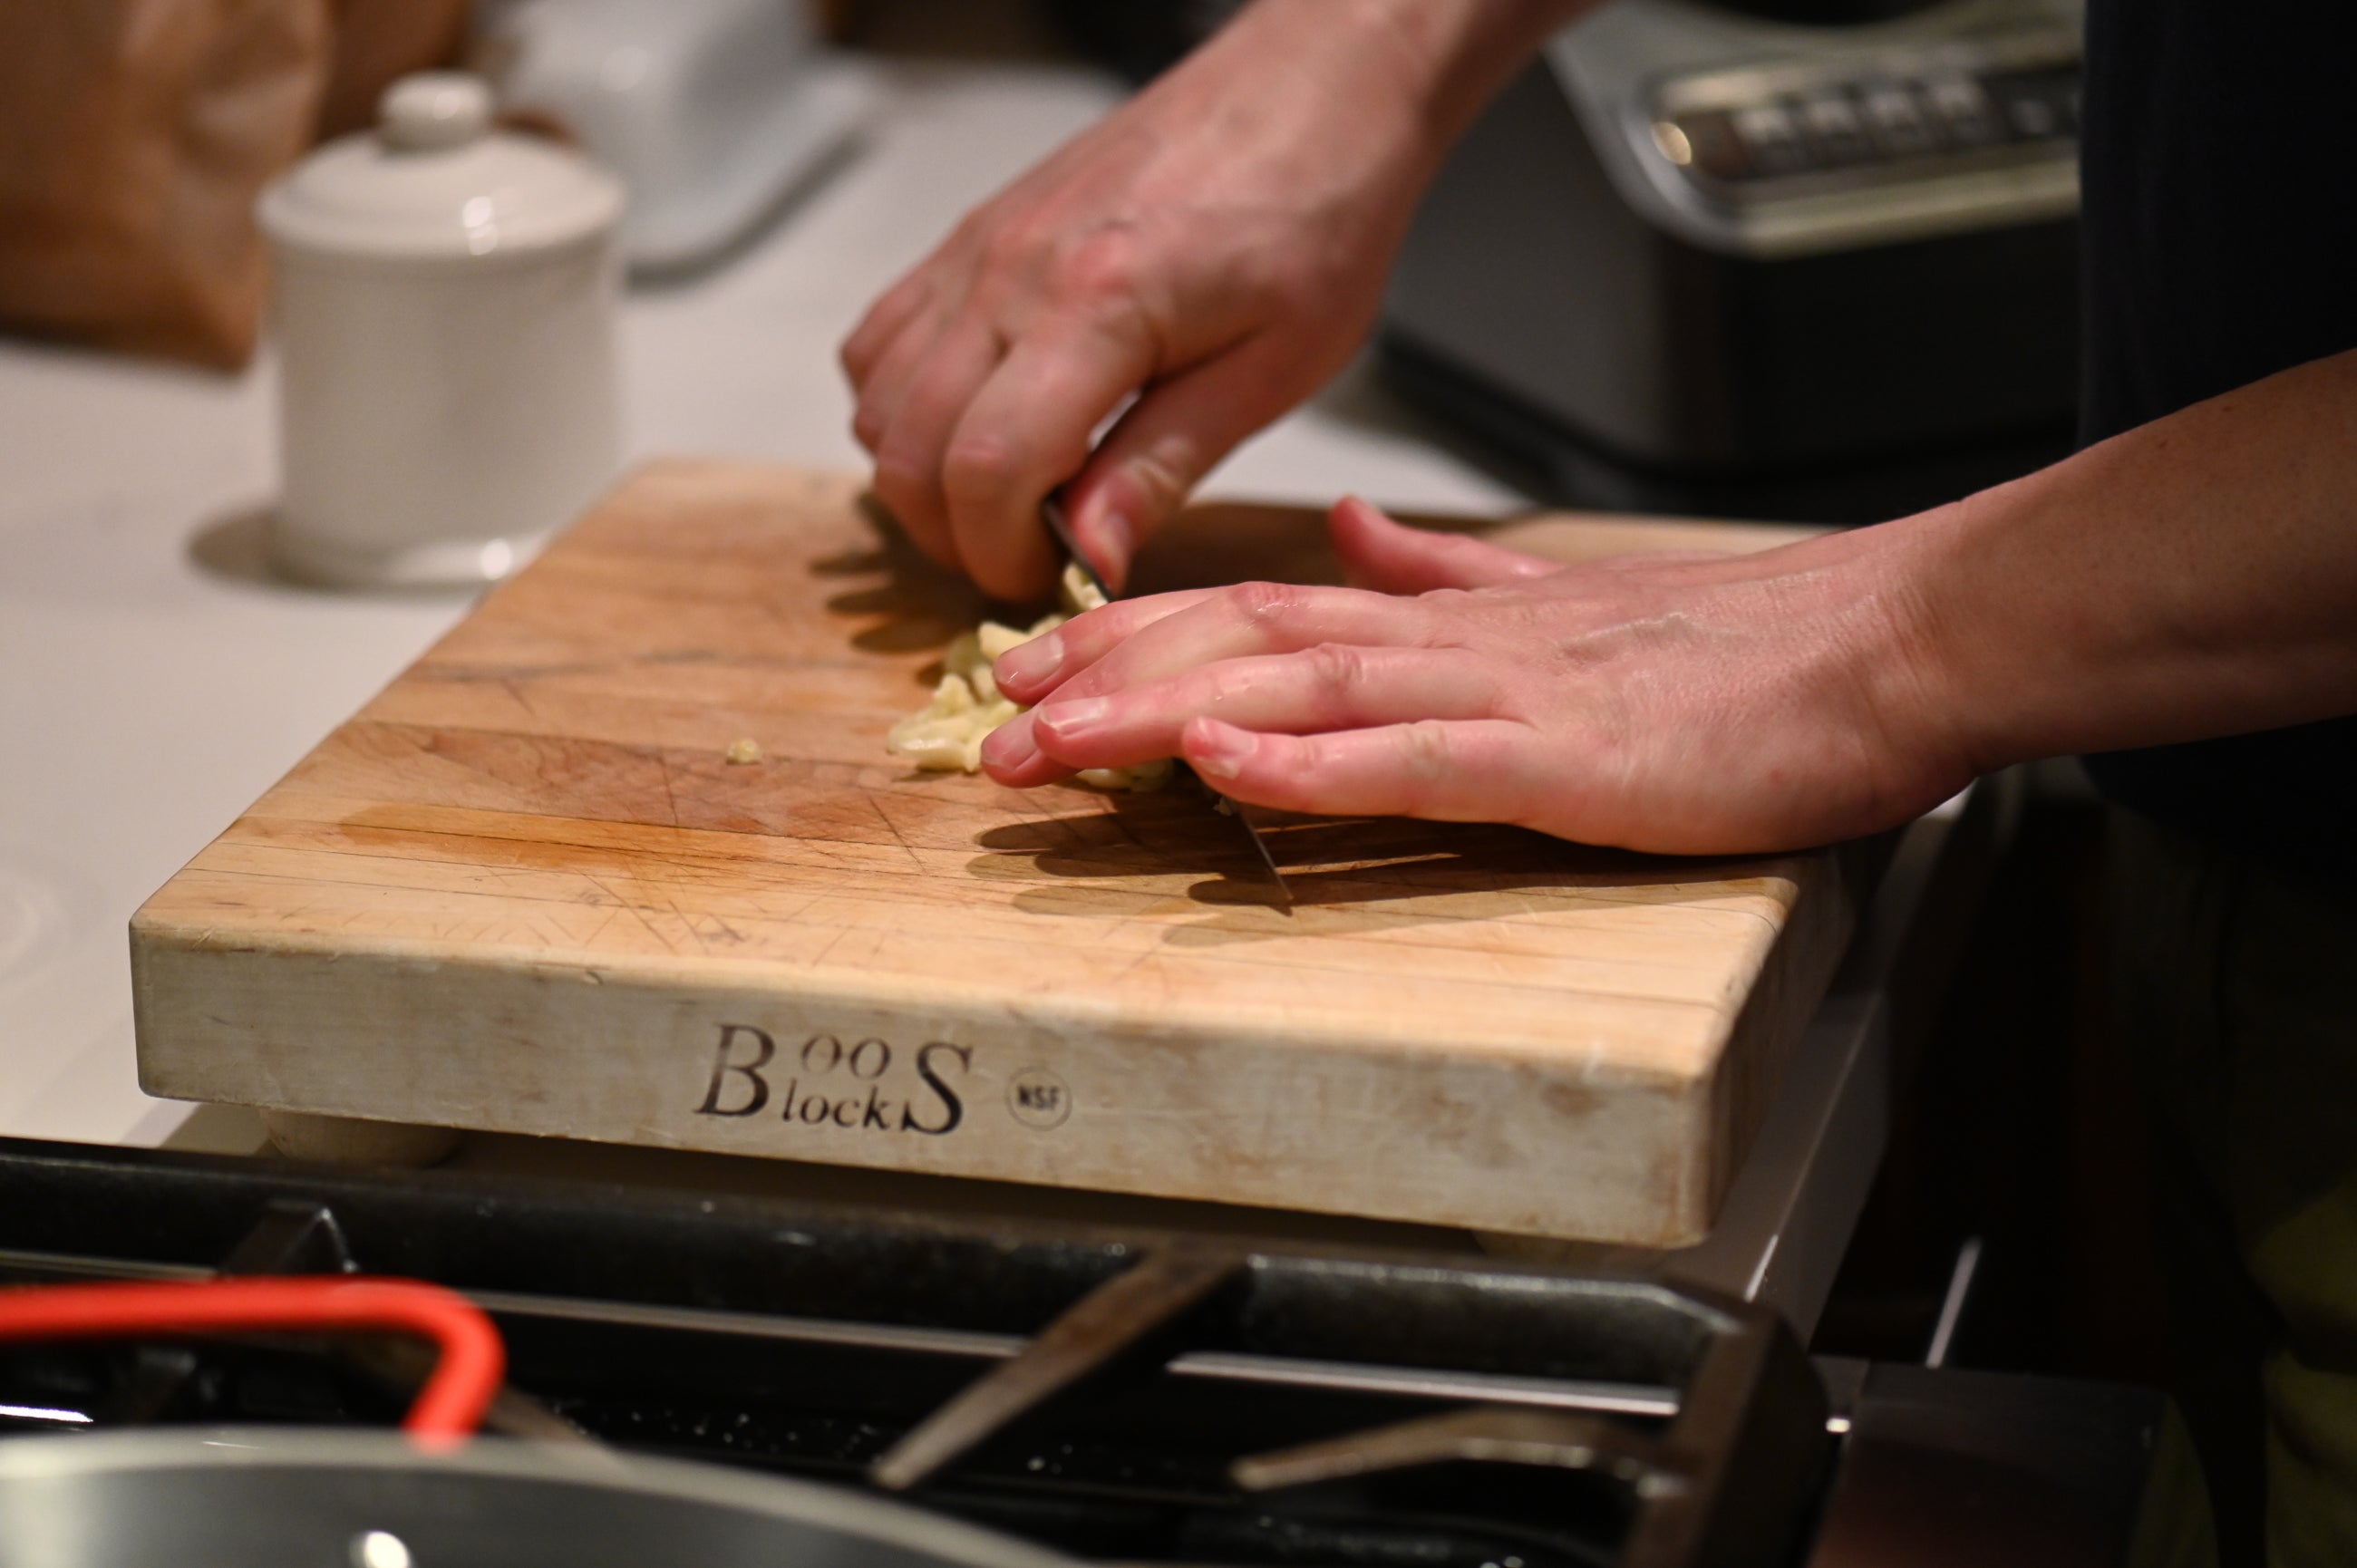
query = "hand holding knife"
x=1060 y=525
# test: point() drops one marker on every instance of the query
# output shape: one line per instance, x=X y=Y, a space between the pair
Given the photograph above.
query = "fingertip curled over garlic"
x=947 y=733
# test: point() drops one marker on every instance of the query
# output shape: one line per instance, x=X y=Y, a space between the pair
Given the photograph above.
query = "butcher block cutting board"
x=524 y=890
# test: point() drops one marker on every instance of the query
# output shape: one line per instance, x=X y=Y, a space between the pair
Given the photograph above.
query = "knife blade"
x=1059 y=526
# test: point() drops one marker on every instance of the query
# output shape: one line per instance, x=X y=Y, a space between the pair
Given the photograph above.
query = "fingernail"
x=1028 y=663
x=1071 y=719
x=1220 y=750
x=1008 y=747
x=1111 y=542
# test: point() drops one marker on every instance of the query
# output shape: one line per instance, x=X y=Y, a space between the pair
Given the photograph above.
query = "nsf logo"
x=1037 y=1097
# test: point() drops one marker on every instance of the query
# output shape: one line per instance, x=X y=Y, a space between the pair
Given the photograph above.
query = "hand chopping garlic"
x=948 y=732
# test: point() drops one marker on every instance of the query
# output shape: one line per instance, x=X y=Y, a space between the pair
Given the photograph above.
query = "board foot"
x=350 y=1141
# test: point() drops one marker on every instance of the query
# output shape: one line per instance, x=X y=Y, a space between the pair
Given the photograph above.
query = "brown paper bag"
x=136 y=134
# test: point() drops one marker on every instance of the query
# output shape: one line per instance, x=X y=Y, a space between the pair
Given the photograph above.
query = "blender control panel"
x=1789 y=129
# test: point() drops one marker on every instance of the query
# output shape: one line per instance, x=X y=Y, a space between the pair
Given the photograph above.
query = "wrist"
x=1966 y=630
x=1908 y=652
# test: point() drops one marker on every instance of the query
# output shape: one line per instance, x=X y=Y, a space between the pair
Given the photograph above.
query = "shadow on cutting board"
x=1345 y=873
x=923 y=605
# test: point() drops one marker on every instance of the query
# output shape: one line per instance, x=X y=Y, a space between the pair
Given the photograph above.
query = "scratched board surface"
x=524 y=889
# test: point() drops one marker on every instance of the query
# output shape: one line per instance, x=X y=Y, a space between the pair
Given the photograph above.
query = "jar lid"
x=434 y=181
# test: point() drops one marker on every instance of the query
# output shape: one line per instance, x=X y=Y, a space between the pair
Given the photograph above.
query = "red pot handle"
x=448 y=1408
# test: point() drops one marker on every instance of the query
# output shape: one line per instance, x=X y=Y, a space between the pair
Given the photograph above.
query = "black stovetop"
x=1165 y=1397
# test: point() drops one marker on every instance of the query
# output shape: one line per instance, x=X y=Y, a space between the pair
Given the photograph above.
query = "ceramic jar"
x=444 y=314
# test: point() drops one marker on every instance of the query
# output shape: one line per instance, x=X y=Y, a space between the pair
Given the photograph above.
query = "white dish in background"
x=714 y=112
x=443 y=310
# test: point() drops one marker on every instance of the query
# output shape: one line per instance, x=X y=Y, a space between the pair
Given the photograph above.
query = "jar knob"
x=434 y=109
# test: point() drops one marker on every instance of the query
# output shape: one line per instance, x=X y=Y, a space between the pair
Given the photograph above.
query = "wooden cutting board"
x=523 y=890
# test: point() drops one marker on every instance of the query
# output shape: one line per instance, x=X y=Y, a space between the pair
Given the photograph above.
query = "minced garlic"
x=948 y=732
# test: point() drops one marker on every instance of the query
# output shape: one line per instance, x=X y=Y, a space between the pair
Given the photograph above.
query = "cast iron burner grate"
x=1123 y=1396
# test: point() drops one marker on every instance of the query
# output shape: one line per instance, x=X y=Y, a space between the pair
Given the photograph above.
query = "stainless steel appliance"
x=1700 y=257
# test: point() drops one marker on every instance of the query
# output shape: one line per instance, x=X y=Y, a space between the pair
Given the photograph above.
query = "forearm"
x=1445 y=57
x=2193 y=577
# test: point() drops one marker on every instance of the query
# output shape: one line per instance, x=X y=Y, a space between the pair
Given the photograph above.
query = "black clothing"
x=2219 y=213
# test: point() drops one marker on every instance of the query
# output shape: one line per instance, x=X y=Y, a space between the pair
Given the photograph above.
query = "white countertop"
x=154 y=681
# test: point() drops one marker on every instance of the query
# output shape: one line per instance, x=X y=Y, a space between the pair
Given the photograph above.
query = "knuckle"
x=980 y=469
x=867 y=426
x=1104 y=265
x=1263 y=602
x=1340 y=670
x=1426 y=750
